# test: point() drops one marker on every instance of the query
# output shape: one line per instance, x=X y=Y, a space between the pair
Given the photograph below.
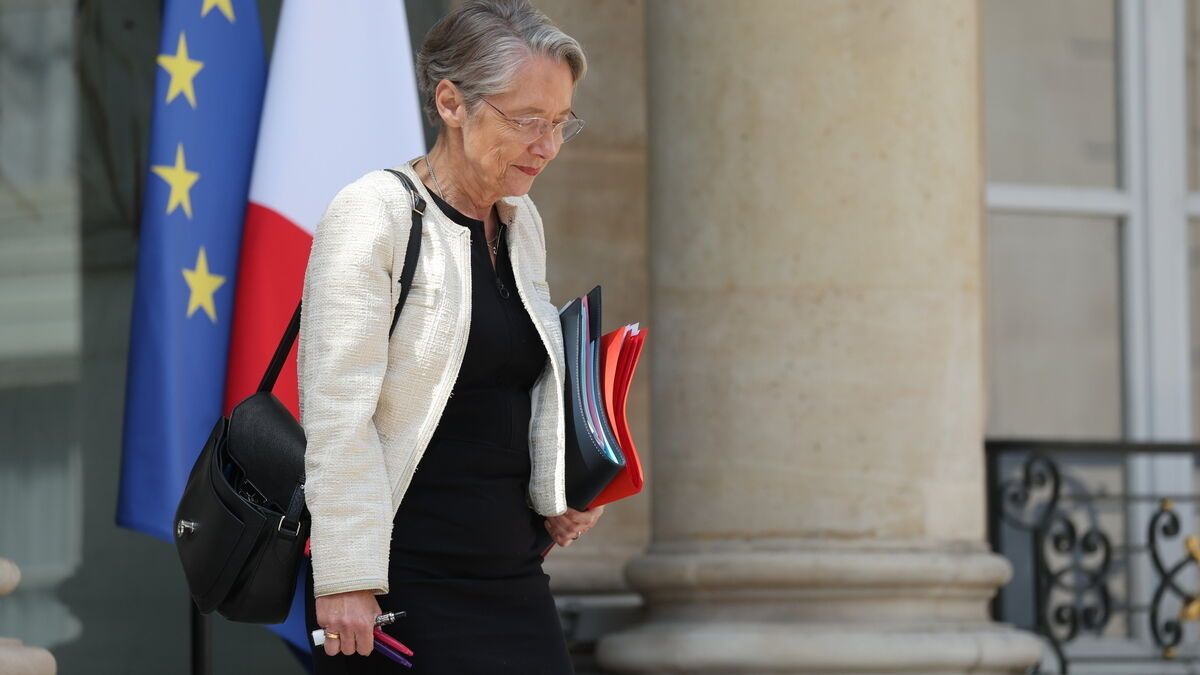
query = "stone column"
x=815 y=178
x=16 y=658
x=593 y=203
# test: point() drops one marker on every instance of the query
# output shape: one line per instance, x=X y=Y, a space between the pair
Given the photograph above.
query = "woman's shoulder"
x=369 y=201
x=353 y=199
x=378 y=187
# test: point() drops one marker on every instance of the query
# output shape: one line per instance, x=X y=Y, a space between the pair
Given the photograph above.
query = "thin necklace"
x=491 y=243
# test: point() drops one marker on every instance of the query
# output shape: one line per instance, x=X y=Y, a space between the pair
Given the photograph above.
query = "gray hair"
x=480 y=46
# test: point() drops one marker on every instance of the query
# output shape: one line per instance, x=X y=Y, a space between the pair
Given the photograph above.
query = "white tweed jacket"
x=369 y=406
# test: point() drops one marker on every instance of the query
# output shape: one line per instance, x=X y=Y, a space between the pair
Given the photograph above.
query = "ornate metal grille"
x=1093 y=562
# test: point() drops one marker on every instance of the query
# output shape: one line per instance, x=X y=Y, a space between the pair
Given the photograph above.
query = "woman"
x=469 y=387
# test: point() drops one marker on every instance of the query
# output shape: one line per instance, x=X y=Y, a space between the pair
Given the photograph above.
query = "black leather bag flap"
x=215 y=532
x=267 y=444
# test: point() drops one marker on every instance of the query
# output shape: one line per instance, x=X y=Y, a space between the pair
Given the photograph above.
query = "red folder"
x=601 y=462
x=619 y=353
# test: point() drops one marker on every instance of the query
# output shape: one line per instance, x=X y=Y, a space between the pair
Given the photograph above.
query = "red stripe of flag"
x=270 y=279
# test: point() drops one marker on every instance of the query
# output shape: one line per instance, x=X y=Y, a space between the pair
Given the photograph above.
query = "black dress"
x=465 y=561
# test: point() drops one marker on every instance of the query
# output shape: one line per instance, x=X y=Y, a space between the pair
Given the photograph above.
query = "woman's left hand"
x=566 y=528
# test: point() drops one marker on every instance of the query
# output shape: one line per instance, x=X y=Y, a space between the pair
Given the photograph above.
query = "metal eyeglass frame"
x=522 y=122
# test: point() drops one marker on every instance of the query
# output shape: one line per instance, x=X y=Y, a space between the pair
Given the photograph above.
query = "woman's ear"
x=450 y=105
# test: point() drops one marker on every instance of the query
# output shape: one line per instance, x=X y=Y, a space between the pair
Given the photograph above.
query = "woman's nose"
x=546 y=147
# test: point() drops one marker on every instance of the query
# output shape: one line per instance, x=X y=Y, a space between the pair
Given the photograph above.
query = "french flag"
x=341 y=101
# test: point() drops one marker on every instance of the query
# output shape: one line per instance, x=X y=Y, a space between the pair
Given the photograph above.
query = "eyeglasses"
x=529 y=129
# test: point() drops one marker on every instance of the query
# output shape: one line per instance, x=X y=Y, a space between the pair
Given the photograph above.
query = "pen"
x=392 y=654
x=382 y=637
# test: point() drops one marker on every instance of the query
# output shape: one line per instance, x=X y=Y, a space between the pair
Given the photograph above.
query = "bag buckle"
x=294 y=532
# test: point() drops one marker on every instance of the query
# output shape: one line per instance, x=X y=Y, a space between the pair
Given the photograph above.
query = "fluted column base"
x=818 y=607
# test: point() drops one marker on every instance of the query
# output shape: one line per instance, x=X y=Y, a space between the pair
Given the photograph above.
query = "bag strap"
x=292 y=521
x=414 y=244
x=406 y=277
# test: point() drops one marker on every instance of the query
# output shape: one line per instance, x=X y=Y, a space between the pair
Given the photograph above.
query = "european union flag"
x=208 y=99
x=211 y=78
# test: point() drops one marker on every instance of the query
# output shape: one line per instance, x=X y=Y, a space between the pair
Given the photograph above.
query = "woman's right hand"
x=351 y=616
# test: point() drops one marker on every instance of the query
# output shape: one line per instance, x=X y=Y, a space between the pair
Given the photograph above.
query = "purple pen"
x=392 y=654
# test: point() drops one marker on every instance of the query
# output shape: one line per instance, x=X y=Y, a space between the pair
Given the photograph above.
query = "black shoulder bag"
x=241 y=523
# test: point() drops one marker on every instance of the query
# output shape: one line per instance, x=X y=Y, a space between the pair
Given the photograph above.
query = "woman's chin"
x=516 y=186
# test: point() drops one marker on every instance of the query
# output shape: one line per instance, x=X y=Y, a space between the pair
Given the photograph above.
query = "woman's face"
x=499 y=157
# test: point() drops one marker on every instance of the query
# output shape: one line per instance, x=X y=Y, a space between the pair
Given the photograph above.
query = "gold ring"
x=330 y=635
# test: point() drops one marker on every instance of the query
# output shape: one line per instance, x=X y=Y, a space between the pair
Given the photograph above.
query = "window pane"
x=1193 y=93
x=1194 y=295
x=1054 y=327
x=1050 y=80
x=41 y=488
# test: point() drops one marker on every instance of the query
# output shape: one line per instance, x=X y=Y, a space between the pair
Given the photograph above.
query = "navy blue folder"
x=594 y=457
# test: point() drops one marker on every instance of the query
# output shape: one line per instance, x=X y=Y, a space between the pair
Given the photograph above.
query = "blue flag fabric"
x=207 y=103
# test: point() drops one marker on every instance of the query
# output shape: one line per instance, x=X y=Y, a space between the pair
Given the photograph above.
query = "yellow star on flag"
x=182 y=70
x=203 y=285
x=181 y=181
x=226 y=7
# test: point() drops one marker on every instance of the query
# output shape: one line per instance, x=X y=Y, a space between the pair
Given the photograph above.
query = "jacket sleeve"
x=547 y=391
x=341 y=359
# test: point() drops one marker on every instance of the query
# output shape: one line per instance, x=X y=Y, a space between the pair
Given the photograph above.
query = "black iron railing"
x=1075 y=537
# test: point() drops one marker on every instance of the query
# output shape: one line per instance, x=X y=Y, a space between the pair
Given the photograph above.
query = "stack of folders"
x=601 y=464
